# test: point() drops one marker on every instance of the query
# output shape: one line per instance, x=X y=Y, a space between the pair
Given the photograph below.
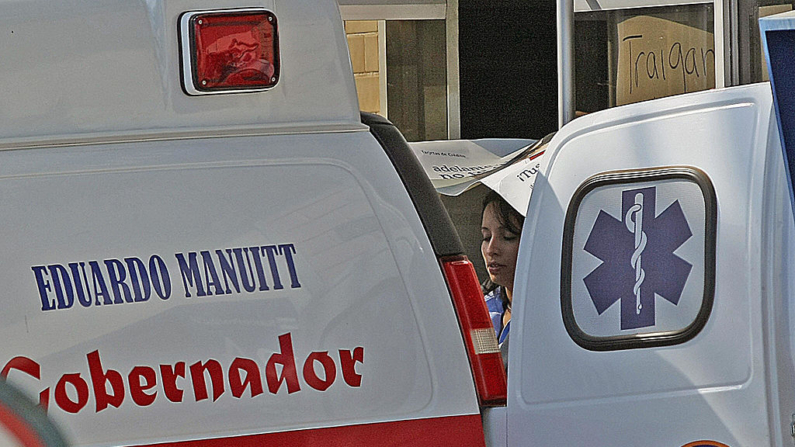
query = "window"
x=629 y=55
x=400 y=68
x=752 y=67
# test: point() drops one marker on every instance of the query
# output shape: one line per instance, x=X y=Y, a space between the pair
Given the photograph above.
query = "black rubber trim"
x=434 y=217
x=653 y=339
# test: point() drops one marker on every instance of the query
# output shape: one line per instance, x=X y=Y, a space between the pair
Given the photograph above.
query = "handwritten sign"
x=658 y=57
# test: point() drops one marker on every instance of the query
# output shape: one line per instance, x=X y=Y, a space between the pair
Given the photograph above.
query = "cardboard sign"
x=658 y=57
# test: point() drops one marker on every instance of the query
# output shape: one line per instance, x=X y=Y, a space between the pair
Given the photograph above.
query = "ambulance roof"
x=104 y=69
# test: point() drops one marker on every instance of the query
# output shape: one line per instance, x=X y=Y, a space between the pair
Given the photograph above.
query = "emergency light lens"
x=234 y=51
x=480 y=339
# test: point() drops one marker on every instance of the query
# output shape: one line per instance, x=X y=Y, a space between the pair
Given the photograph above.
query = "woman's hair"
x=506 y=214
x=510 y=219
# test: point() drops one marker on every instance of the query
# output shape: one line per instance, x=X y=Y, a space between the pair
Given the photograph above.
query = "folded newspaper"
x=508 y=166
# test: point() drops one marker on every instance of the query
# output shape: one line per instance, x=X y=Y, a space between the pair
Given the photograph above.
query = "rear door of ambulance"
x=192 y=266
x=650 y=299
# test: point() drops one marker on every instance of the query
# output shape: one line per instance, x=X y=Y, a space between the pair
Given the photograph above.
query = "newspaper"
x=508 y=166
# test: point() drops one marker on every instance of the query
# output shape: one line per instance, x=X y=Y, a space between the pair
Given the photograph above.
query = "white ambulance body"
x=231 y=266
x=205 y=243
x=653 y=297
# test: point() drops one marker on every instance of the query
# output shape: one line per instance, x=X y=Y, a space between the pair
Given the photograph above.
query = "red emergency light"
x=229 y=51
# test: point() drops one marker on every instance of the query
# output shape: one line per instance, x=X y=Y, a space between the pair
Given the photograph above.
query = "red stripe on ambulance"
x=452 y=431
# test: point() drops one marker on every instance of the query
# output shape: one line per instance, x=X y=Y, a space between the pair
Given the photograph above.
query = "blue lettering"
x=141 y=290
x=117 y=275
x=210 y=274
x=263 y=283
x=161 y=281
x=245 y=275
x=133 y=280
x=190 y=274
x=228 y=270
x=44 y=286
x=62 y=286
x=81 y=286
x=272 y=251
x=287 y=250
x=99 y=281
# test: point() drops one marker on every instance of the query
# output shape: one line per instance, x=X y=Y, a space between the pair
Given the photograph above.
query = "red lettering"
x=287 y=360
x=63 y=400
x=329 y=369
x=253 y=378
x=170 y=374
x=348 y=364
x=137 y=389
x=23 y=364
x=100 y=379
x=73 y=391
x=216 y=376
x=30 y=368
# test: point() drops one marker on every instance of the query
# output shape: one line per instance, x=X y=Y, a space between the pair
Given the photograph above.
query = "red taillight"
x=479 y=337
x=228 y=51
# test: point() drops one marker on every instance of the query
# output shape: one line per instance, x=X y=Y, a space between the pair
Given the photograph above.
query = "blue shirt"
x=496 y=312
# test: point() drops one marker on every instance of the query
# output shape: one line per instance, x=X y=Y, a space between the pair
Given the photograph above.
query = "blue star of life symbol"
x=638 y=260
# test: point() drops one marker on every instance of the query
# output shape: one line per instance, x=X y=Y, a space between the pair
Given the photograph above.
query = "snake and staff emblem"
x=634 y=222
x=638 y=260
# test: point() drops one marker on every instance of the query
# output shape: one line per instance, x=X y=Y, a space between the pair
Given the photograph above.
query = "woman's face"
x=499 y=248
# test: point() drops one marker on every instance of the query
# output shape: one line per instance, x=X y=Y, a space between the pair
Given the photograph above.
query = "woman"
x=501 y=229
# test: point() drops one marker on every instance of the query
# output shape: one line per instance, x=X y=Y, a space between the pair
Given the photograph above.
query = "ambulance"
x=205 y=243
x=653 y=299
